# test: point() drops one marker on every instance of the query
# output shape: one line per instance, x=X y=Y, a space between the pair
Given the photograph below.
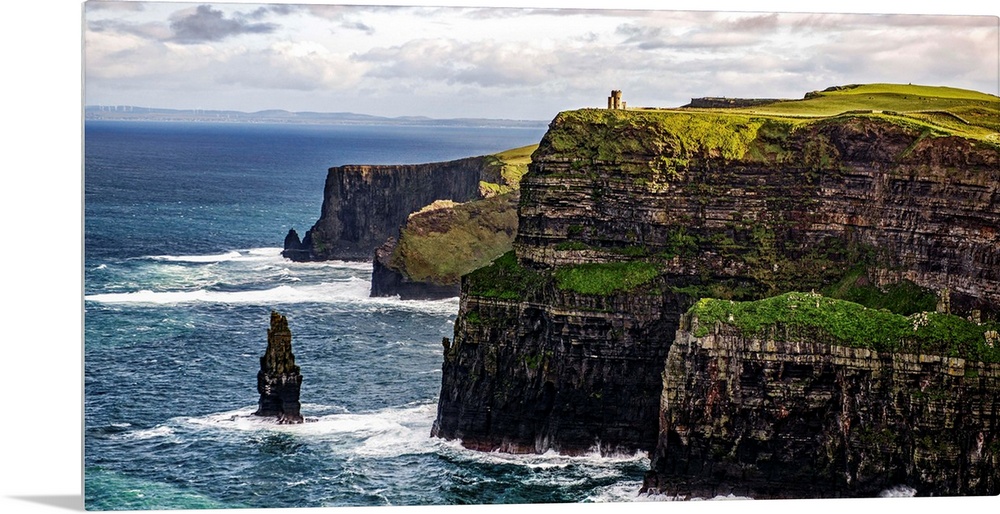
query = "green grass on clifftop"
x=855 y=325
x=950 y=110
x=505 y=279
x=512 y=165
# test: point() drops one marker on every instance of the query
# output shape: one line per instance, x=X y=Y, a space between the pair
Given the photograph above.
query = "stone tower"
x=278 y=380
x=615 y=100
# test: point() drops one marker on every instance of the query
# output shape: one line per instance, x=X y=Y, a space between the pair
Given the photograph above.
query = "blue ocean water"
x=183 y=224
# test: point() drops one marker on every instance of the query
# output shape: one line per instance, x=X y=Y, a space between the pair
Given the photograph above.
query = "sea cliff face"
x=627 y=217
x=780 y=205
x=790 y=411
x=364 y=205
x=554 y=369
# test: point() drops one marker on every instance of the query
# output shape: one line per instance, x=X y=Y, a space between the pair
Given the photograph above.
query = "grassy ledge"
x=855 y=325
x=605 y=278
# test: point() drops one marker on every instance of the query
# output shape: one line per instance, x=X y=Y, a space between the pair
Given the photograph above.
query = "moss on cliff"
x=761 y=133
x=507 y=168
x=591 y=135
x=505 y=278
x=854 y=325
x=605 y=278
x=439 y=245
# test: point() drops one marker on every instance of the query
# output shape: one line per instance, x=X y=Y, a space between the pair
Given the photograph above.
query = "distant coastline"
x=135 y=113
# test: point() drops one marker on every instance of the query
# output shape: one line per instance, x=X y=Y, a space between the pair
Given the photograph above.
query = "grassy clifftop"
x=855 y=325
x=757 y=132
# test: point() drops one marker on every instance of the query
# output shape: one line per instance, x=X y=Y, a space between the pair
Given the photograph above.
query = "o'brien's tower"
x=615 y=100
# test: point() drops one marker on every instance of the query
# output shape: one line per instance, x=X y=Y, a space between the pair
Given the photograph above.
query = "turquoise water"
x=183 y=224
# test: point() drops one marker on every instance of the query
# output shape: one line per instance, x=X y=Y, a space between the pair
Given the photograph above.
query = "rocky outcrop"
x=442 y=242
x=627 y=217
x=279 y=380
x=387 y=280
x=365 y=205
x=793 y=412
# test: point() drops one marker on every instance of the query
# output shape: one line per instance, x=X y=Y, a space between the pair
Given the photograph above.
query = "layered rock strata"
x=279 y=380
x=794 y=413
x=364 y=205
x=787 y=206
x=556 y=370
x=721 y=205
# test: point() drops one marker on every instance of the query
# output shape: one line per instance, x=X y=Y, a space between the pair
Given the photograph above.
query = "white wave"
x=268 y=252
x=623 y=491
x=228 y=256
x=383 y=433
x=899 y=491
x=351 y=265
x=548 y=460
x=445 y=306
x=149 y=433
x=355 y=289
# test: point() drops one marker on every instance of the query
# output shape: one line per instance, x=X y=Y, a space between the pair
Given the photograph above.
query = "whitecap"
x=228 y=256
x=550 y=459
x=149 y=433
x=355 y=289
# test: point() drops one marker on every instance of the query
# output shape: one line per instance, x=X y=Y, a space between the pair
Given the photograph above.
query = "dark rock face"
x=794 y=415
x=562 y=371
x=390 y=281
x=279 y=380
x=295 y=249
x=365 y=205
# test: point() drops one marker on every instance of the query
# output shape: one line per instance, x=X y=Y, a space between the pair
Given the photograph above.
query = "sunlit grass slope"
x=957 y=111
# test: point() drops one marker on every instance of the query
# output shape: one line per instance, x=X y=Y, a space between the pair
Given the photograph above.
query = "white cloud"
x=491 y=60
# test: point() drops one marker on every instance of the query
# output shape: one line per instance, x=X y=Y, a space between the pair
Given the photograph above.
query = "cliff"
x=628 y=217
x=801 y=396
x=445 y=240
x=365 y=205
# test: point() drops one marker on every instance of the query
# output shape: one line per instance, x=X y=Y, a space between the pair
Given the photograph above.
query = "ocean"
x=183 y=224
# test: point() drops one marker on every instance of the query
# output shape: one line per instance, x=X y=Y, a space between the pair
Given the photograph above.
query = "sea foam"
x=332 y=292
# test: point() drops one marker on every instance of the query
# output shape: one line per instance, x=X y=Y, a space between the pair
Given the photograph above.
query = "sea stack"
x=278 y=380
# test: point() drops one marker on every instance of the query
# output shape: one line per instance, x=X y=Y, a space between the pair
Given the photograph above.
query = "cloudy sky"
x=506 y=62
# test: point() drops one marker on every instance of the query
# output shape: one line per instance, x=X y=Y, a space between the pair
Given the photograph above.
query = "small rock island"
x=278 y=380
